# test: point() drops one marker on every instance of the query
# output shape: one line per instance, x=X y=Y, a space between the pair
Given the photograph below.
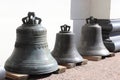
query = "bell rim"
x=32 y=72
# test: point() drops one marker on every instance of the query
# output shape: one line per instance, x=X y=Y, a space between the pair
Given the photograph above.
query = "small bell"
x=65 y=49
x=91 y=39
x=31 y=54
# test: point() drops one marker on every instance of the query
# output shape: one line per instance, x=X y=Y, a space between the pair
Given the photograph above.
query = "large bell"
x=91 y=39
x=65 y=49
x=31 y=54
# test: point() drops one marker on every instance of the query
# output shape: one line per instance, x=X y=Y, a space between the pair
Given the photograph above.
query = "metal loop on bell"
x=91 y=20
x=65 y=28
x=31 y=19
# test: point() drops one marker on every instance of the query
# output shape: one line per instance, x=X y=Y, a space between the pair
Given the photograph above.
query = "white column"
x=80 y=10
x=105 y=9
x=100 y=9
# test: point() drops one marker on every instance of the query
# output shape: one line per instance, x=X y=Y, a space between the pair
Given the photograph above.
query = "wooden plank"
x=69 y=65
x=15 y=76
x=97 y=58
x=72 y=65
x=84 y=62
x=110 y=55
x=61 y=69
x=93 y=58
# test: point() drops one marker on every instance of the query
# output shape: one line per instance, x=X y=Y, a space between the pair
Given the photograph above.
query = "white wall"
x=77 y=30
x=100 y=9
x=105 y=9
x=80 y=9
x=54 y=13
x=115 y=9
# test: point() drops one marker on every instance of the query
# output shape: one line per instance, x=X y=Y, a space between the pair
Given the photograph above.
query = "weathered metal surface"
x=65 y=49
x=31 y=54
x=110 y=33
x=91 y=39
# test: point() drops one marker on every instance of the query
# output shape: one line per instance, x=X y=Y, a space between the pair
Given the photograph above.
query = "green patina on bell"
x=31 y=54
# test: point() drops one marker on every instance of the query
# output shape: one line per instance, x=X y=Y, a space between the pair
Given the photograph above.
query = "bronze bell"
x=65 y=49
x=91 y=39
x=31 y=54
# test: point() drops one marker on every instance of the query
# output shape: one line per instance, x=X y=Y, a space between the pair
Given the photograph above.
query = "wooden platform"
x=71 y=65
x=14 y=76
x=61 y=69
x=97 y=58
